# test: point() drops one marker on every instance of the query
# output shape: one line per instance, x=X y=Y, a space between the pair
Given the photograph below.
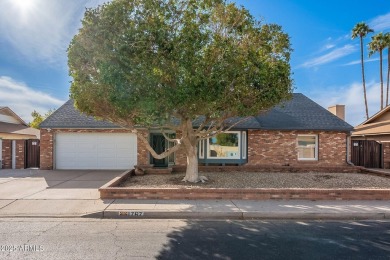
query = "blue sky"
x=34 y=36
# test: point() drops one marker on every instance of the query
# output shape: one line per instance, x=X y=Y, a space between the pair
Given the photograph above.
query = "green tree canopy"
x=38 y=118
x=154 y=62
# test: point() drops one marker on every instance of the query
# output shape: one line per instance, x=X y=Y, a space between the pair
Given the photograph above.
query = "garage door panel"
x=95 y=151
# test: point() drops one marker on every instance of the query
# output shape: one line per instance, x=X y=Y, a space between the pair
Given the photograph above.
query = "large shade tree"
x=361 y=30
x=180 y=65
x=378 y=44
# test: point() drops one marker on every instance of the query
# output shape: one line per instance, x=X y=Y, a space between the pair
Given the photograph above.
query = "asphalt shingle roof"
x=67 y=116
x=299 y=113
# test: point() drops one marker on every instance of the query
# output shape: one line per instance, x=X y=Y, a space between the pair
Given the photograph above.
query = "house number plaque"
x=131 y=213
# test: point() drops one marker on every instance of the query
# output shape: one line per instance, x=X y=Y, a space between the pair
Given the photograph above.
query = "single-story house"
x=376 y=128
x=14 y=133
x=297 y=132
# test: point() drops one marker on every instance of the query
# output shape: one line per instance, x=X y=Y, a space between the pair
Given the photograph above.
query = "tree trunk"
x=381 y=74
x=364 y=80
x=190 y=142
x=192 y=173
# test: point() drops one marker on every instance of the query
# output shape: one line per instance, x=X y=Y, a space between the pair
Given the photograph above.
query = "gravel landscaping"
x=264 y=180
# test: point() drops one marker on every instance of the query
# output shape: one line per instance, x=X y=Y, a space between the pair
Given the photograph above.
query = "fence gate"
x=32 y=153
x=367 y=153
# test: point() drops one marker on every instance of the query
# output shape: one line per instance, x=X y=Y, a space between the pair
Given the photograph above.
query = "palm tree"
x=378 y=44
x=361 y=30
x=387 y=39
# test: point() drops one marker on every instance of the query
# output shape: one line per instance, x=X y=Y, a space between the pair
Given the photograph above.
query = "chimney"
x=338 y=110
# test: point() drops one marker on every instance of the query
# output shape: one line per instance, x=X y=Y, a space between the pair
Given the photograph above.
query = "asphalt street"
x=190 y=239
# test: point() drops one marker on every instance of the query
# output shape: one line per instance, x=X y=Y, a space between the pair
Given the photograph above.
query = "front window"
x=307 y=147
x=224 y=146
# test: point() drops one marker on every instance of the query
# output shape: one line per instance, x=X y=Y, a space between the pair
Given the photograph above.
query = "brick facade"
x=386 y=155
x=244 y=194
x=142 y=152
x=266 y=148
x=46 y=152
x=279 y=148
x=19 y=154
x=7 y=154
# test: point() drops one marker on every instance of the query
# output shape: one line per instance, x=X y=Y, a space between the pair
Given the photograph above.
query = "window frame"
x=243 y=145
x=315 y=149
x=226 y=158
x=201 y=147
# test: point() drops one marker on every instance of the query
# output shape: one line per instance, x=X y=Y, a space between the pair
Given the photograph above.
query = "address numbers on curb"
x=131 y=213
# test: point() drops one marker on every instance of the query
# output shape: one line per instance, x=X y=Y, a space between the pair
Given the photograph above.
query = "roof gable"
x=299 y=113
x=381 y=116
x=9 y=116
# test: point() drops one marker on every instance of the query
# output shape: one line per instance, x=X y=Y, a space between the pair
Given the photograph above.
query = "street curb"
x=126 y=214
x=40 y=216
x=216 y=215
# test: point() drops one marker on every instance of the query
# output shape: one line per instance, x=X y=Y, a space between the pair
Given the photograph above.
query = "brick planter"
x=112 y=191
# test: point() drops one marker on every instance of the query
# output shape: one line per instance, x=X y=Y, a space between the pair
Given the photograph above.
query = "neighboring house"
x=376 y=128
x=299 y=132
x=13 y=135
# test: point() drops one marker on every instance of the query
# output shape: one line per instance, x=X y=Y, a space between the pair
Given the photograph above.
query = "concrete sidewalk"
x=246 y=209
x=36 y=193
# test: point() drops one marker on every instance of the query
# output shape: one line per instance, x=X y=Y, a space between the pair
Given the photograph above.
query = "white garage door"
x=95 y=151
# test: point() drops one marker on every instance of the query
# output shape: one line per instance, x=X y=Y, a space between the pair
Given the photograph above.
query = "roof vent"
x=338 y=110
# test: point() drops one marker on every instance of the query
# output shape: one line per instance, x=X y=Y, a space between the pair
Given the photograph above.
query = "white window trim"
x=315 y=151
x=244 y=145
x=170 y=145
x=201 y=149
x=226 y=158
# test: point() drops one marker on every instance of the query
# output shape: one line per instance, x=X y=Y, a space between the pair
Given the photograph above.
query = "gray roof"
x=68 y=117
x=299 y=113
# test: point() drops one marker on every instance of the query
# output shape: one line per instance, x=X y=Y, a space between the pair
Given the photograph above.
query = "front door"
x=158 y=144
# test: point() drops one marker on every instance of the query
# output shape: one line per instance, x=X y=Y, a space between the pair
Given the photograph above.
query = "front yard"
x=239 y=180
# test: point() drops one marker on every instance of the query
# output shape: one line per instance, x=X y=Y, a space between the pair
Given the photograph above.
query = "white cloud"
x=329 y=46
x=330 y=56
x=365 y=61
x=380 y=23
x=41 y=31
x=23 y=99
x=352 y=97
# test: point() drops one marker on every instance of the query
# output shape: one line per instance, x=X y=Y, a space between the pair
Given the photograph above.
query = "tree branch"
x=151 y=150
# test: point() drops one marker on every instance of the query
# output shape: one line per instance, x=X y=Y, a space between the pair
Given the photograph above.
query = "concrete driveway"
x=26 y=192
